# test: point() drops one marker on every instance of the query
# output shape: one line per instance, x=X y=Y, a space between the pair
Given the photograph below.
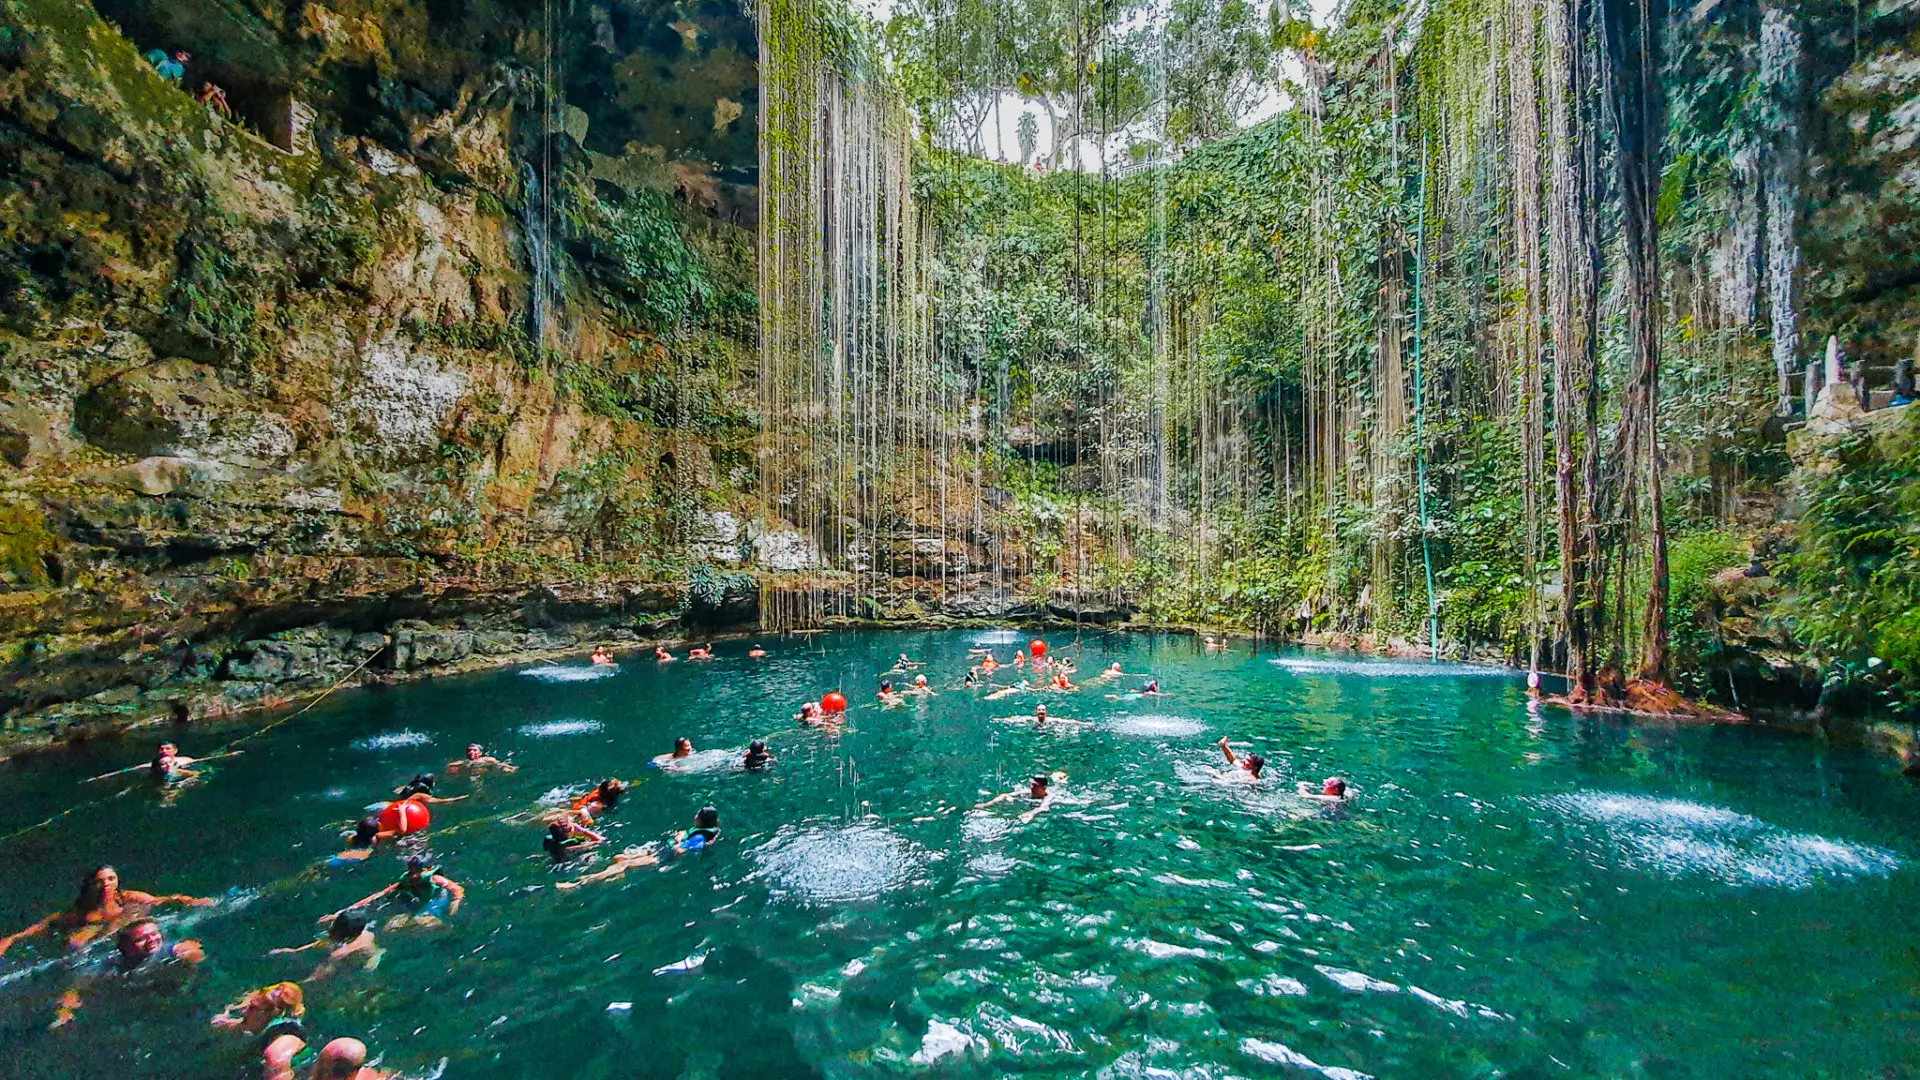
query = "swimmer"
x=345 y=1059
x=1019 y=657
x=757 y=758
x=1006 y=691
x=1214 y=646
x=360 y=843
x=756 y=652
x=1150 y=688
x=1251 y=764
x=969 y=682
x=661 y=654
x=888 y=696
x=428 y=896
x=627 y=860
x=348 y=937
x=810 y=714
x=705 y=832
x=1039 y=791
x=988 y=664
x=600 y=656
x=1332 y=790
x=1060 y=682
x=565 y=839
x=597 y=802
x=682 y=748
x=920 y=687
x=101 y=908
x=138 y=947
x=420 y=790
x=477 y=759
x=168 y=765
x=701 y=652
x=270 y=1011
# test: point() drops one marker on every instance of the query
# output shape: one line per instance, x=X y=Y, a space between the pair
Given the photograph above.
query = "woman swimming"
x=268 y=1012
x=366 y=834
x=102 y=907
x=705 y=832
x=565 y=839
x=139 y=949
x=420 y=790
x=348 y=937
x=629 y=859
x=920 y=687
x=599 y=801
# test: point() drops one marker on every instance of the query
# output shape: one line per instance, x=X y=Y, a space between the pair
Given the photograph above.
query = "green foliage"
x=633 y=244
x=1855 y=600
x=1693 y=562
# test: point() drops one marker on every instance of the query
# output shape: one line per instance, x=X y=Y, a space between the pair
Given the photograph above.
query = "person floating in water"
x=970 y=681
x=988 y=665
x=701 y=652
x=427 y=897
x=1041 y=718
x=420 y=790
x=812 y=714
x=1113 y=672
x=167 y=767
x=1332 y=790
x=268 y=1013
x=1250 y=765
x=349 y=938
x=757 y=758
x=366 y=834
x=682 y=748
x=629 y=859
x=920 y=687
x=345 y=1059
x=476 y=760
x=565 y=839
x=1214 y=646
x=600 y=656
x=756 y=652
x=1150 y=688
x=705 y=832
x=1039 y=791
x=101 y=908
x=596 y=803
x=1061 y=683
x=139 y=947
x=887 y=695
x=661 y=654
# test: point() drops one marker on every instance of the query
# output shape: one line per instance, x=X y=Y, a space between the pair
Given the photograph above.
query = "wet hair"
x=366 y=831
x=1255 y=763
x=1334 y=785
x=609 y=792
x=415 y=862
x=347 y=925
x=92 y=895
x=757 y=746
x=284 y=998
x=1042 y=779
x=420 y=784
x=558 y=831
x=706 y=818
x=886 y=687
x=124 y=936
x=683 y=741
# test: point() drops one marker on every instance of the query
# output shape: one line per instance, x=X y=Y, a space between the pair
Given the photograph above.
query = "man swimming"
x=348 y=937
x=1039 y=791
x=565 y=839
x=427 y=897
x=661 y=654
x=630 y=859
x=168 y=766
x=757 y=758
x=756 y=652
x=701 y=652
x=345 y=1059
x=1251 y=764
x=600 y=656
x=139 y=946
x=887 y=695
x=682 y=748
x=920 y=687
x=101 y=908
x=476 y=760
x=810 y=714
x=1150 y=688
x=1214 y=646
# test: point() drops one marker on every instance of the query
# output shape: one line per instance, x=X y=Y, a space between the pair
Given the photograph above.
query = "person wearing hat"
x=426 y=897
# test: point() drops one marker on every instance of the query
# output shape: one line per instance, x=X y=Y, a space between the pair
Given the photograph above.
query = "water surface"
x=1511 y=893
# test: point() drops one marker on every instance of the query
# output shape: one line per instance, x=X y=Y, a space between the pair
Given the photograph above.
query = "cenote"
x=1511 y=892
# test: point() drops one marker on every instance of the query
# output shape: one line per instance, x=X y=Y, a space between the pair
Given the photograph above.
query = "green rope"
x=1419 y=405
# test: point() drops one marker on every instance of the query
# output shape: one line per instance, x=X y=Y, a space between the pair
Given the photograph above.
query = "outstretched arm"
x=1228 y=750
x=454 y=891
x=328 y=917
x=1045 y=805
x=290 y=950
x=997 y=799
x=7 y=942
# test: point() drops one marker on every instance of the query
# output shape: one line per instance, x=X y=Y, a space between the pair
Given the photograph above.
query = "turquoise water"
x=1509 y=894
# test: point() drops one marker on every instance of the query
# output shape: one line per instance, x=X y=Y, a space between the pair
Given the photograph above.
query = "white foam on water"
x=1391 y=669
x=1156 y=726
x=837 y=865
x=1274 y=986
x=701 y=761
x=1191 y=883
x=942 y=1040
x=1000 y=637
x=1160 y=950
x=550 y=728
x=1680 y=838
x=1356 y=981
x=565 y=673
x=393 y=740
x=1280 y=1054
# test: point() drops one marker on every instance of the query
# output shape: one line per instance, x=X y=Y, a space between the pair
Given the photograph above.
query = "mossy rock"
x=27 y=549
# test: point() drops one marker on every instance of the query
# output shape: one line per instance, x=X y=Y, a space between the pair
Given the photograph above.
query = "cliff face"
x=404 y=333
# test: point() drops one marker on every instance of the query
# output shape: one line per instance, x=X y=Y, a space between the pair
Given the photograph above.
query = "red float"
x=404 y=816
x=833 y=701
x=1037 y=647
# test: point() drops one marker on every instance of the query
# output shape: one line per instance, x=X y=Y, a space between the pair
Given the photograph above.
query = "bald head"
x=339 y=1059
